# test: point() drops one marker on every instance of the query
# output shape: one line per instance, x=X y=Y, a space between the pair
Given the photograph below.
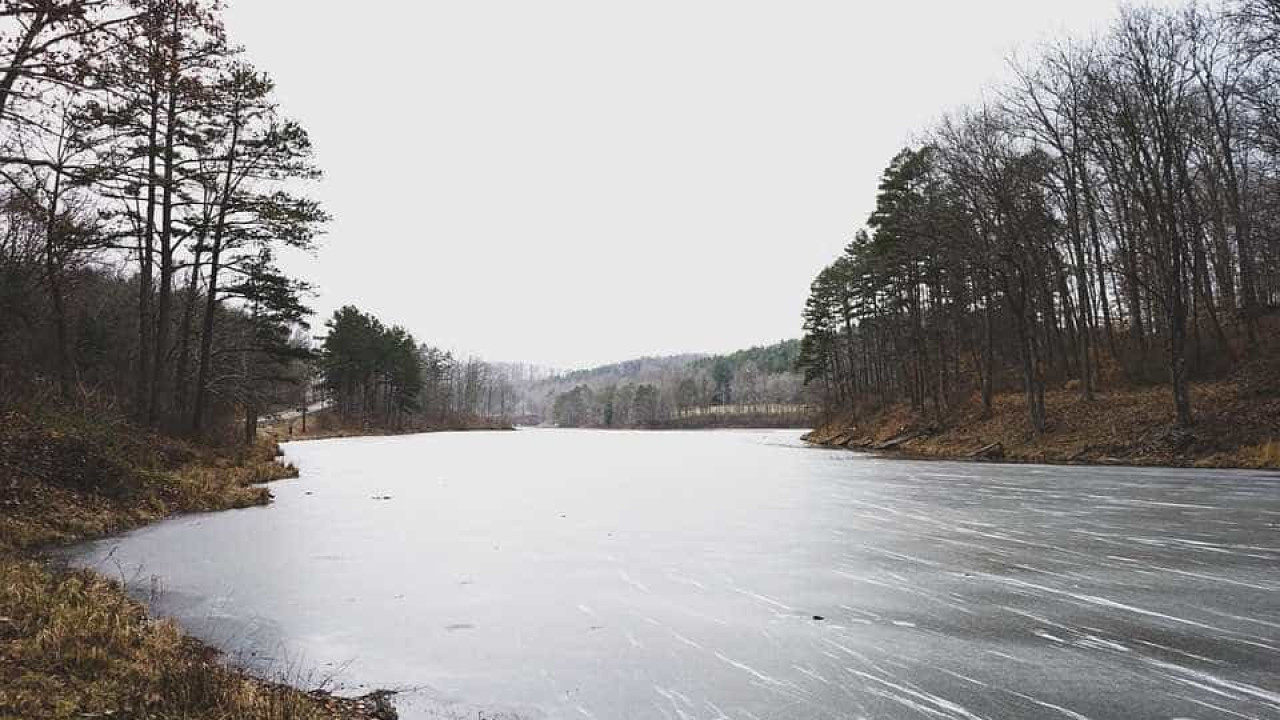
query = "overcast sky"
x=571 y=182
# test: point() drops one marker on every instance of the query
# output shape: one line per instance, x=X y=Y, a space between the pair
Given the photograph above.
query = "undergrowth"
x=1236 y=420
x=75 y=646
x=65 y=478
x=72 y=643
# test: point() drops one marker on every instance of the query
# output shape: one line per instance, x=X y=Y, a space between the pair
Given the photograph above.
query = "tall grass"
x=74 y=645
x=1267 y=454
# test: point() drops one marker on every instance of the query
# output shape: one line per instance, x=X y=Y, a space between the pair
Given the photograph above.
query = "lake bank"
x=327 y=425
x=72 y=642
x=1237 y=426
x=493 y=572
x=642 y=578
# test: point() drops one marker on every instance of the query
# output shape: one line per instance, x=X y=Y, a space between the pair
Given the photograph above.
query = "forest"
x=372 y=375
x=377 y=376
x=150 y=182
x=754 y=387
x=1107 y=220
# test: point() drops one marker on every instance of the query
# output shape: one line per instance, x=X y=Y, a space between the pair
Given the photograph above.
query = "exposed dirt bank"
x=1237 y=426
x=72 y=643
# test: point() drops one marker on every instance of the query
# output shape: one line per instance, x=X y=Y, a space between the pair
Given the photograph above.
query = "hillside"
x=635 y=371
x=1237 y=426
x=754 y=387
x=775 y=359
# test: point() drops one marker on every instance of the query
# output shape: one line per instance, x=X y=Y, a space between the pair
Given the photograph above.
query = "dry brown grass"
x=1236 y=422
x=73 y=646
x=1264 y=455
x=68 y=478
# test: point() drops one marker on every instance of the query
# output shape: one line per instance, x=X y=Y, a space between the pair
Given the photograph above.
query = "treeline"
x=378 y=375
x=752 y=376
x=657 y=391
x=613 y=406
x=149 y=180
x=1113 y=217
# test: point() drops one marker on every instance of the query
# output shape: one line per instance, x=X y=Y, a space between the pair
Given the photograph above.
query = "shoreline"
x=339 y=435
x=97 y=480
x=793 y=428
x=325 y=426
x=904 y=451
x=1236 y=428
x=1099 y=462
x=73 y=641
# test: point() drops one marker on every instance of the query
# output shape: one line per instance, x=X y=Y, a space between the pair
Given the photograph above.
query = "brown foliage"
x=1238 y=426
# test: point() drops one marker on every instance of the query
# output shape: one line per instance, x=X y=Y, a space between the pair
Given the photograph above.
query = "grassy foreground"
x=1237 y=425
x=72 y=643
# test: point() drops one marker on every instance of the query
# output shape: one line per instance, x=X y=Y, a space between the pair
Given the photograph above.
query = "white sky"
x=571 y=182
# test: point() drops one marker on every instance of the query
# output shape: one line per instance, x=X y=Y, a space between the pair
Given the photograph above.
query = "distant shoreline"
x=324 y=425
x=377 y=432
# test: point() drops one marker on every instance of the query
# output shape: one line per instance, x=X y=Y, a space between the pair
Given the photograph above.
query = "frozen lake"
x=637 y=575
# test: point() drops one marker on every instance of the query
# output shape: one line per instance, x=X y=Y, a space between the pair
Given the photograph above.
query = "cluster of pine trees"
x=1112 y=215
x=379 y=375
x=148 y=181
x=370 y=370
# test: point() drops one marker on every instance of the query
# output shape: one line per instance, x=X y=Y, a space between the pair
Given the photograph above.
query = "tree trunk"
x=206 y=335
x=1031 y=383
x=146 y=287
x=211 y=292
x=159 y=376
x=20 y=57
x=53 y=269
x=183 y=369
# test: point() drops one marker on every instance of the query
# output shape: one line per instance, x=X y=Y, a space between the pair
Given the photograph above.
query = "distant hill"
x=606 y=396
x=769 y=359
x=643 y=369
x=538 y=395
